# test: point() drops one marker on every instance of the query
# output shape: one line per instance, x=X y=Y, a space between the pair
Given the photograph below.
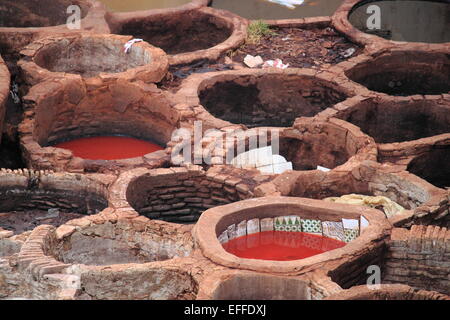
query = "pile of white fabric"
x=262 y=159
x=390 y=207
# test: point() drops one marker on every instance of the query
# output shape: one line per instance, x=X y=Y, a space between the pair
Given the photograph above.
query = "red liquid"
x=280 y=245
x=109 y=147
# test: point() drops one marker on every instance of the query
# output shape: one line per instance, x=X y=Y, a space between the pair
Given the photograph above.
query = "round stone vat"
x=101 y=256
x=243 y=285
x=120 y=242
x=37 y=14
x=387 y=292
x=369 y=179
x=267 y=97
x=218 y=225
x=31 y=198
x=181 y=33
x=64 y=110
x=4 y=92
x=390 y=120
x=308 y=144
x=26 y=21
x=433 y=166
x=404 y=20
x=192 y=31
x=404 y=73
x=89 y=55
x=179 y=195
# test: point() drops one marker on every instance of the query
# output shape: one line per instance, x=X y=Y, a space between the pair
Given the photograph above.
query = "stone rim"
x=210 y=285
x=238 y=26
x=364 y=293
x=341 y=23
x=150 y=72
x=394 y=152
x=189 y=91
x=206 y=231
x=434 y=204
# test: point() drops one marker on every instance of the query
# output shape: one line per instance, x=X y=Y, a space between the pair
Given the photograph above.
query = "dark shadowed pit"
x=269 y=99
x=195 y=31
x=36 y=13
x=404 y=73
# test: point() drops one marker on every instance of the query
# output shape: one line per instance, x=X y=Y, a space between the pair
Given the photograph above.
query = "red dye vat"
x=109 y=147
x=280 y=245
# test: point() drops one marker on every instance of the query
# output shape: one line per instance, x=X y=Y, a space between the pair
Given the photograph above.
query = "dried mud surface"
x=301 y=48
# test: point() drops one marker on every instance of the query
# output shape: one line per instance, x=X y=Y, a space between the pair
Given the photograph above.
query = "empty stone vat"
x=37 y=14
x=30 y=198
x=404 y=73
x=418 y=200
x=122 y=242
x=390 y=185
x=391 y=120
x=22 y=22
x=267 y=98
x=92 y=55
x=179 y=195
x=194 y=31
x=187 y=35
x=133 y=248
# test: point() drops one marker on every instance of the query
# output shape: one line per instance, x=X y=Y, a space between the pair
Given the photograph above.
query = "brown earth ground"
x=301 y=48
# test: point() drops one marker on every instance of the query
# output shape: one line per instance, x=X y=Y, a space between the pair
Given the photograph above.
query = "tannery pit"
x=196 y=31
x=267 y=99
x=404 y=73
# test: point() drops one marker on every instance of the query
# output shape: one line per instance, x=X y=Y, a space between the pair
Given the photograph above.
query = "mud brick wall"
x=354 y=272
x=419 y=257
x=183 y=196
x=25 y=189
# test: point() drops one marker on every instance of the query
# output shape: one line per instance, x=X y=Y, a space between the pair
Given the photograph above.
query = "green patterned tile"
x=350 y=234
x=312 y=226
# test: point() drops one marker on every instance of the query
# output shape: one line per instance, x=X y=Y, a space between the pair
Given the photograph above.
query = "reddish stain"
x=109 y=147
x=280 y=245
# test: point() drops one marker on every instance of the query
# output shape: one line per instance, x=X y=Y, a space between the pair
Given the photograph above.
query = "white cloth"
x=129 y=44
x=288 y=3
